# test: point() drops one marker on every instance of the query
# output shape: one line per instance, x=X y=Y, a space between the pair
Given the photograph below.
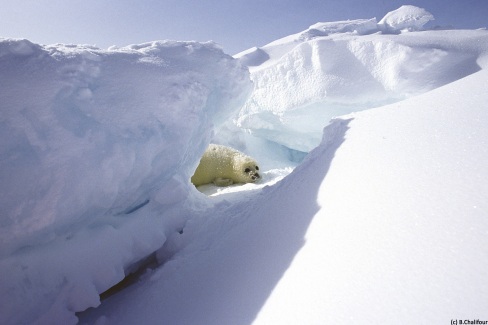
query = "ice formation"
x=89 y=139
x=303 y=80
x=385 y=215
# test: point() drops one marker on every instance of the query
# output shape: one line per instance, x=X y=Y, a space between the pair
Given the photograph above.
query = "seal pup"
x=224 y=166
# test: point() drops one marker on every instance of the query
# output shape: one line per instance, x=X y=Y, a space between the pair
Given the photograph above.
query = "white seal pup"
x=225 y=166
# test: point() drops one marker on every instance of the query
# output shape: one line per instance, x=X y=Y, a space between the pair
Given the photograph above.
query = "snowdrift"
x=401 y=233
x=405 y=18
x=385 y=218
x=89 y=138
x=331 y=69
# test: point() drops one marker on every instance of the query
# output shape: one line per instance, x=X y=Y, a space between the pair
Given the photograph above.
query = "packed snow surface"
x=409 y=18
x=303 y=80
x=385 y=218
x=95 y=144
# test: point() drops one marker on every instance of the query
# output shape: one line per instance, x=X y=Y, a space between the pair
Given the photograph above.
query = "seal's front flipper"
x=219 y=181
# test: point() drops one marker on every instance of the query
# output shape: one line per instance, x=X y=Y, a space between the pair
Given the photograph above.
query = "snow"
x=332 y=69
x=409 y=18
x=90 y=139
x=386 y=219
x=381 y=215
x=402 y=229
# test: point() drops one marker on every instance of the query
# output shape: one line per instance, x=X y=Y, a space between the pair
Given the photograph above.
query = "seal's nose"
x=255 y=176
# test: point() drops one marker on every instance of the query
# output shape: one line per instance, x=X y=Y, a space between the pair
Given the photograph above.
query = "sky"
x=234 y=24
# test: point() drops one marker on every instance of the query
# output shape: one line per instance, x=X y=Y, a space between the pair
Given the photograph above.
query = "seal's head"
x=249 y=170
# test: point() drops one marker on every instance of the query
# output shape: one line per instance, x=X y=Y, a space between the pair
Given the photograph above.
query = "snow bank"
x=359 y=26
x=385 y=217
x=408 y=18
x=401 y=233
x=96 y=147
x=385 y=220
x=331 y=69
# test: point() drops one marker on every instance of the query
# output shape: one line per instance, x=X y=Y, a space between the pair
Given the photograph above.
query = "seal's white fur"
x=224 y=166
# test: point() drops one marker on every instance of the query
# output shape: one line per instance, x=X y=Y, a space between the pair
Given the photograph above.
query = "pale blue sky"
x=235 y=24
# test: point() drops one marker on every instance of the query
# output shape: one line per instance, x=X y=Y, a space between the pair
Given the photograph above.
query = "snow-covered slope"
x=401 y=233
x=408 y=18
x=89 y=138
x=331 y=69
x=386 y=219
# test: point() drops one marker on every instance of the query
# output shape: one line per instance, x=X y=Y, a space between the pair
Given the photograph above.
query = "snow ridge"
x=407 y=17
x=96 y=146
x=304 y=80
x=385 y=213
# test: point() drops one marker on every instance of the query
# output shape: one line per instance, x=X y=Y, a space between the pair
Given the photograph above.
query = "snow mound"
x=359 y=26
x=96 y=146
x=385 y=217
x=104 y=128
x=402 y=222
x=253 y=57
x=408 y=18
x=403 y=218
x=304 y=80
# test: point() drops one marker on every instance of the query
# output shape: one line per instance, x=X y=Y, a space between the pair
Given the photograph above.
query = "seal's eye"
x=247 y=170
x=257 y=168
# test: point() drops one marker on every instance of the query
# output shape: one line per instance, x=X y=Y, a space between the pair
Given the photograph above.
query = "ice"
x=367 y=217
x=90 y=139
x=331 y=69
x=359 y=27
x=402 y=221
x=409 y=18
x=385 y=217
x=254 y=57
